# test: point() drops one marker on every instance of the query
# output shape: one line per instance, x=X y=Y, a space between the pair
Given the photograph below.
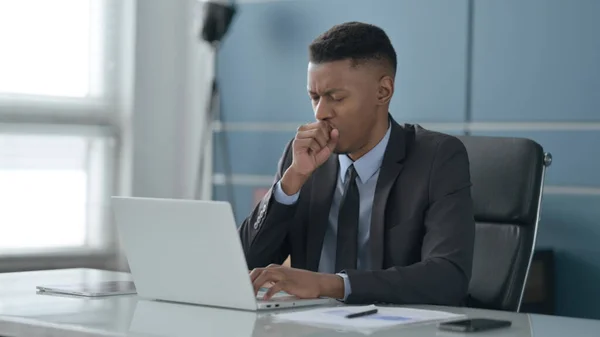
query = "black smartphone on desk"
x=474 y=324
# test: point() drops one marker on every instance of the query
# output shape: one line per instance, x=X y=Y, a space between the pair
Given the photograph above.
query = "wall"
x=171 y=83
x=538 y=63
x=263 y=74
x=508 y=67
x=165 y=86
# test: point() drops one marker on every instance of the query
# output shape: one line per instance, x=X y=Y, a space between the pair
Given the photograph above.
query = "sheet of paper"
x=386 y=317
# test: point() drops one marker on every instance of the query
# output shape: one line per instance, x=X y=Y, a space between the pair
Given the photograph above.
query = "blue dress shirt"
x=367 y=168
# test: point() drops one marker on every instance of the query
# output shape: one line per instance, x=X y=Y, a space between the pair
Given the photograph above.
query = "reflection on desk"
x=170 y=319
x=25 y=313
x=543 y=325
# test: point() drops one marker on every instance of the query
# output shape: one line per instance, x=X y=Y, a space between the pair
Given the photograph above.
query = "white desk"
x=25 y=313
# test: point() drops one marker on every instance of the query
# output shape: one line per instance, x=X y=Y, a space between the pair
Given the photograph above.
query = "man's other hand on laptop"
x=298 y=282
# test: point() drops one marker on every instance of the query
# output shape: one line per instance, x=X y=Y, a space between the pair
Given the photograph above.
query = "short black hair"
x=356 y=41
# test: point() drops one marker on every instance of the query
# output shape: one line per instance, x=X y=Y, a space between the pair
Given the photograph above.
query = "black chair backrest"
x=507 y=176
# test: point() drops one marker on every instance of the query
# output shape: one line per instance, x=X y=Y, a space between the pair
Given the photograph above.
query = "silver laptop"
x=189 y=251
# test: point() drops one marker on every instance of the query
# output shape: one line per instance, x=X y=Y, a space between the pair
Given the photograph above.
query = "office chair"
x=508 y=180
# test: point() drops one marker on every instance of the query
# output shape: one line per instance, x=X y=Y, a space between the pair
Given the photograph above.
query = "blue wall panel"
x=536 y=60
x=263 y=61
x=571 y=226
x=251 y=152
x=574 y=160
x=447 y=130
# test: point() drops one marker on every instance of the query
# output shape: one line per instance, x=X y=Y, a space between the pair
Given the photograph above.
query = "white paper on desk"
x=385 y=317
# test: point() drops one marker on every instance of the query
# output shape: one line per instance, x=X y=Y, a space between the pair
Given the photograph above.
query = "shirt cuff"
x=283 y=198
x=347 y=288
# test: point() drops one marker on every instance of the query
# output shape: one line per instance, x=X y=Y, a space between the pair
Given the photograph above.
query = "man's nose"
x=322 y=110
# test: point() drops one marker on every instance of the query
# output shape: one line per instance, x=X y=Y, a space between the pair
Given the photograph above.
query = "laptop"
x=189 y=251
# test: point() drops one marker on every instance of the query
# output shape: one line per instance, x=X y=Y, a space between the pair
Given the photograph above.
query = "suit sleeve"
x=443 y=274
x=264 y=232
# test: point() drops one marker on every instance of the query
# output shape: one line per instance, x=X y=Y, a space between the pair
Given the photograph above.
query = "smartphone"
x=475 y=324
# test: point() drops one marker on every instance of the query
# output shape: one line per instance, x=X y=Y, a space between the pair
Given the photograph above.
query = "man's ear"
x=386 y=90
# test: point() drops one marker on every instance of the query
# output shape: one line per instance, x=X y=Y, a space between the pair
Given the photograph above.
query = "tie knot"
x=351 y=174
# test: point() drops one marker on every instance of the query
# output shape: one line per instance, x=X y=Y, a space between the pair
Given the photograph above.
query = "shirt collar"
x=368 y=164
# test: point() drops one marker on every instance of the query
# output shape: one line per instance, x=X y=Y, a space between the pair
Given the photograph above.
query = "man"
x=368 y=210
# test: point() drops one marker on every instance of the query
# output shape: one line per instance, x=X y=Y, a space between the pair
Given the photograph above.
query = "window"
x=49 y=174
x=57 y=135
x=51 y=187
x=46 y=47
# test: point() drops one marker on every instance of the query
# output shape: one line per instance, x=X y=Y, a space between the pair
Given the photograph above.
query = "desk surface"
x=23 y=312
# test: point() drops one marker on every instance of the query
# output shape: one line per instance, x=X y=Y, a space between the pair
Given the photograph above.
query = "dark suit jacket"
x=422 y=225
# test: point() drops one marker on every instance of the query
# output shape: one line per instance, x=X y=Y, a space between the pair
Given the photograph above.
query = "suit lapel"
x=390 y=169
x=323 y=186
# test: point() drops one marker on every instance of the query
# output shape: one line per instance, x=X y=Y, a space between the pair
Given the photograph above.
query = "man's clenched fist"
x=313 y=145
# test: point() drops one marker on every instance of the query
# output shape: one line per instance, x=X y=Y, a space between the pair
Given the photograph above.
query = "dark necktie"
x=347 y=231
